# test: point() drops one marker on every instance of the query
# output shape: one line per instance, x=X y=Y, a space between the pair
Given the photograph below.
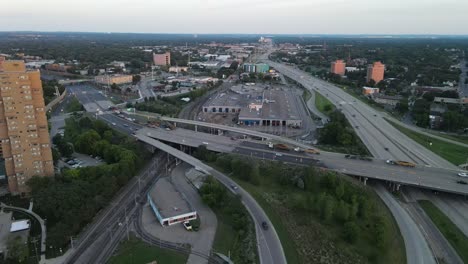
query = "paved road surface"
x=376 y=133
x=269 y=245
x=437 y=242
x=416 y=252
x=424 y=176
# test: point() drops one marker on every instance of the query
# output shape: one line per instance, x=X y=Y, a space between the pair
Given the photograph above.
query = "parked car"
x=187 y=225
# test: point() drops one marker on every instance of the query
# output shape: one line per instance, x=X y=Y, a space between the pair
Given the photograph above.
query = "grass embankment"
x=323 y=104
x=450 y=231
x=453 y=153
x=138 y=252
x=319 y=216
x=459 y=138
x=306 y=95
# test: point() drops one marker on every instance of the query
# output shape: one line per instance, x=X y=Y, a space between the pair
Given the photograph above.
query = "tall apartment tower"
x=338 y=67
x=163 y=59
x=375 y=72
x=24 y=134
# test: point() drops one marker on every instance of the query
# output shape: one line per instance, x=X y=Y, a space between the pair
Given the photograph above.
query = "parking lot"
x=79 y=160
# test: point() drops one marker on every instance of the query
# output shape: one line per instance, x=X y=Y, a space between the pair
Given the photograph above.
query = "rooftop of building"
x=448 y=100
x=278 y=103
x=168 y=200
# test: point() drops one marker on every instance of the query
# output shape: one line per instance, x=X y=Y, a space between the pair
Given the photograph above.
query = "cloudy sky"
x=239 y=16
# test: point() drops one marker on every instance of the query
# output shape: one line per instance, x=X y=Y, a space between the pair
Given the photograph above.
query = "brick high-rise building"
x=163 y=59
x=375 y=72
x=338 y=67
x=24 y=134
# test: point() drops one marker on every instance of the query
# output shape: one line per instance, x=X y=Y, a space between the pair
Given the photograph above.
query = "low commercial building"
x=168 y=204
x=370 y=90
x=258 y=106
x=206 y=64
x=436 y=115
x=387 y=100
x=57 y=67
x=256 y=67
x=178 y=69
x=451 y=100
x=110 y=79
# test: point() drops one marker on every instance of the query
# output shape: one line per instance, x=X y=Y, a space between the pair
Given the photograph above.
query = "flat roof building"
x=256 y=67
x=168 y=204
x=369 y=90
x=24 y=134
x=375 y=72
x=110 y=79
x=262 y=106
x=338 y=67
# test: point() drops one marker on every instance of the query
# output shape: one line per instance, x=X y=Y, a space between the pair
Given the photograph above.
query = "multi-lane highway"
x=383 y=140
x=421 y=176
x=432 y=177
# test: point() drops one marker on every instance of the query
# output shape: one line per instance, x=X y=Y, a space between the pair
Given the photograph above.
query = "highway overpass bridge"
x=421 y=176
x=70 y=82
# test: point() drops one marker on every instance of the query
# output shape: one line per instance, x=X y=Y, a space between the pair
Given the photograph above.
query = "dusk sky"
x=239 y=16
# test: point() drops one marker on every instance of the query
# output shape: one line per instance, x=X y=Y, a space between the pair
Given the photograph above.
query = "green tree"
x=136 y=79
x=86 y=141
x=255 y=174
x=351 y=232
x=402 y=106
x=328 y=208
x=342 y=212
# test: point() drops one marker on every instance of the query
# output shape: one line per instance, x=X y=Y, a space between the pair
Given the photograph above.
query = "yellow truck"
x=401 y=163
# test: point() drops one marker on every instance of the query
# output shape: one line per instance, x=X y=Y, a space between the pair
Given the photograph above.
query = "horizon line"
x=252 y=34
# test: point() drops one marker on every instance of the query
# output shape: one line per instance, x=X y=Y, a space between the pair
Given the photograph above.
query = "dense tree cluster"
x=74 y=106
x=70 y=200
x=330 y=198
x=338 y=132
x=454 y=119
x=217 y=197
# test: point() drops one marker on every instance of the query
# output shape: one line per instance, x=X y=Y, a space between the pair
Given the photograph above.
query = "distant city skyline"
x=241 y=16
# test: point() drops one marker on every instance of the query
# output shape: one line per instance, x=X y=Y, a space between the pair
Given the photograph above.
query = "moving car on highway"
x=264 y=225
x=463 y=174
